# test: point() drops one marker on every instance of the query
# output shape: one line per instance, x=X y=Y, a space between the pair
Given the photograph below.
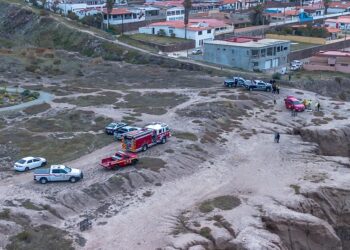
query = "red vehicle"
x=294 y=104
x=149 y=136
x=120 y=159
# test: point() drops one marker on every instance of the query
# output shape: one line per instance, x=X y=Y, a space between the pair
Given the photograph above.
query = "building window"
x=255 y=53
x=344 y=64
x=218 y=48
x=233 y=51
x=208 y=31
x=278 y=49
x=224 y=49
x=255 y=64
x=200 y=33
x=263 y=52
x=171 y=31
x=285 y=48
x=269 y=51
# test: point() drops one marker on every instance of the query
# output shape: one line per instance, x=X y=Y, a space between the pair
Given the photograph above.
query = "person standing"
x=318 y=106
x=236 y=82
x=278 y=88
x=274 y=100
x=277 y=137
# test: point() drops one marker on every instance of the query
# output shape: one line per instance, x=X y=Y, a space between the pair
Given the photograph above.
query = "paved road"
x=44 y=97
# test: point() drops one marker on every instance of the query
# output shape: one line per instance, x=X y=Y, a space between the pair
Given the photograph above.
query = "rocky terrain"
x=220 y=182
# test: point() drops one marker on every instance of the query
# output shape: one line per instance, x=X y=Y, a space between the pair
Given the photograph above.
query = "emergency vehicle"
x=149 y=136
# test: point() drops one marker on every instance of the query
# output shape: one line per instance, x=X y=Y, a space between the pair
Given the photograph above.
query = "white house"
x=67 y=6
x=199 y=30
x=342 y=23
x=338 y=7
x=131 y=15
x=175 y=13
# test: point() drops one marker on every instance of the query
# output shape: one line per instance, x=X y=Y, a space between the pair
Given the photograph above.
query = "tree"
x=187 y=5
x=257 y=15
x=109 y=6
x=326 y=5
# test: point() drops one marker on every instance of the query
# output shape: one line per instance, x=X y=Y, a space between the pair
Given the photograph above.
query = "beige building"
x=329 y=61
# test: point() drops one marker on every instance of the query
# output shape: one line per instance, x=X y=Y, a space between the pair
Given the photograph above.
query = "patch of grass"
x=169 y=151
x=205 y=232
x=226 y=202
x=36 y=109
x=28 y=204
x=52 y=211
x=185 y=135
x=5 y=214
x=103 y=98
x=148 y=193
x=42 y=237
x=296 y=188
x=154 y=164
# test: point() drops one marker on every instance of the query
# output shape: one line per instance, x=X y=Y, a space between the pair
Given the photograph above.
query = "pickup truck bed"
x=42 y=171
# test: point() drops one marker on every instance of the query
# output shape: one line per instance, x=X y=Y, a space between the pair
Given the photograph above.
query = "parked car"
x=57 y=173
x=231 y=82
x=120 y=159
x=118 y=135
x=296 y=63
x=113 y=127
x=294 y=104
x=258 y=85
x=28 y=163
x=197 y=52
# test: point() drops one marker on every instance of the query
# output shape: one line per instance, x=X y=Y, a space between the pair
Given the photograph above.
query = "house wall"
x=242 y=57
x=193 y=35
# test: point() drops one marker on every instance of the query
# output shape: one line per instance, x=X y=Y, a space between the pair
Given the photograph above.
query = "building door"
x=275 y=63
x=153 y=31
x=268 y=64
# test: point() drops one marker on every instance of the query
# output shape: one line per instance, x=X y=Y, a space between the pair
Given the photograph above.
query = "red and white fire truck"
x=149 y=136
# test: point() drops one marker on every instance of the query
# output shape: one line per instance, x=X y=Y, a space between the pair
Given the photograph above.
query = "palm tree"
x=187 y=5
x=109 y=6
x=257 y=15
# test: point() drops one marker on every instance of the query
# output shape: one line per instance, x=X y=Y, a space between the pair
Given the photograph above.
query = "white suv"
x=28 y=163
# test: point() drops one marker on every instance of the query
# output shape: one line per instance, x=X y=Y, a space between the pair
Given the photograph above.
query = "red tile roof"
x=192 y=24
x=332 y=30
x=340 y=5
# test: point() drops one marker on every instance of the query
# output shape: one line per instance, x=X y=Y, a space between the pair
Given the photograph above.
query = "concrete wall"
x=135 y=25
x=187 y=44
x=305 y=53
x=301 y=39
x=241 y=57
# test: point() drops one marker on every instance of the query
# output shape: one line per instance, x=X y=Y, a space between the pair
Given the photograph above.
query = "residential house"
x=338 y=7
x=247 y=53
x=342 y=22
x=231 y=5
x=329 y=61
x=132 y=15
x=175 y=13
x=77 y=5
x=199 y=30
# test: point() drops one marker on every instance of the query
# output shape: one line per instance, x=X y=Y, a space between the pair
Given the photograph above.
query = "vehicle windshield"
x=296 y=102
x=117 y=156
x=67 y=169
x=112 y=125
x=122 y=131
x=21 y=161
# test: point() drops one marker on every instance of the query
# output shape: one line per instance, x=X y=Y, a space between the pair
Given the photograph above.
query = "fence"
x=189 y=44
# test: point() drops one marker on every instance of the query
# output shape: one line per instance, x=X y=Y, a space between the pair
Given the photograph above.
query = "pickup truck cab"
x=120 y=159
x=28 y=163
x=293 y=103
x=231 y=82
x=57 y=173
x=118 y=135
x=111 y=128
x=258 y=85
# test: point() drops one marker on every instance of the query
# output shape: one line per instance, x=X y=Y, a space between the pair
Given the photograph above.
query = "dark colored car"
x=114 y=127
x=231 y=82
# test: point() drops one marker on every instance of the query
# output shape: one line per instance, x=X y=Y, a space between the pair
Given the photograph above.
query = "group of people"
x=308 y=105
x=275 y=86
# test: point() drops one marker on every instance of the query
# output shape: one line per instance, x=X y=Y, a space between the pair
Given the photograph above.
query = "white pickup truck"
x=57 y=173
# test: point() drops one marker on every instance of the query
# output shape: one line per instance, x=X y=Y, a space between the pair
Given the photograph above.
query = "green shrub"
x=161 y=32
x=277 y=76
x=73 y=16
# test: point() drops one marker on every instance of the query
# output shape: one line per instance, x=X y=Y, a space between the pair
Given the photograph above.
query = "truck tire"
x=250 y=89
x=163 y=140
x=133 y=162
x=73 y=180
x=26 y=169
x=268 y=89
x=43 y=164
x=43 y=180
x=144 y=147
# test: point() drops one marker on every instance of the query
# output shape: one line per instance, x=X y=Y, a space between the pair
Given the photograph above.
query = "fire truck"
x=149 y=136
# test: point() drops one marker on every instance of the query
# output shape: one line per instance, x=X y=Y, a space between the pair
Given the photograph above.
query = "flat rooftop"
x=334 y=53
x=248 y=42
